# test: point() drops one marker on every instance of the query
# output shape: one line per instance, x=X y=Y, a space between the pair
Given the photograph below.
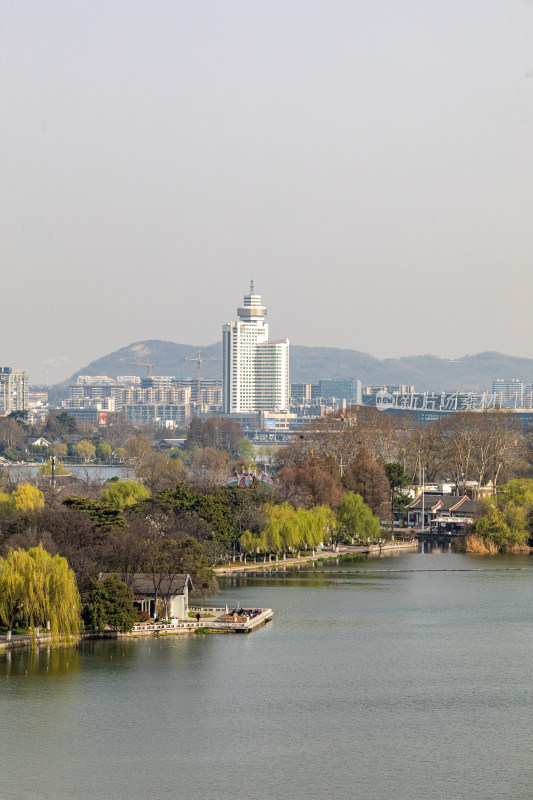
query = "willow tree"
x=40 y=588
x=356 y=518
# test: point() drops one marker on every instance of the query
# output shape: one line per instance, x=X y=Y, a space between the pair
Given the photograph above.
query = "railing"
x=211 y=622
x=166 y=626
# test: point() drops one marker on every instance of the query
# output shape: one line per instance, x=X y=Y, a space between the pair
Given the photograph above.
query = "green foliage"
x=504 y=527
x=7 y=504
x=15 y=455
x=59 y=469
x=85 y=450
x=190 y=557
x=518 y=491
x=214 y=508
x=124 y=494
x=105 y=515
x=401 y=500
x=103 y=451
x=60 y=450
x=111 y=604
x=356 y=519
x=244 y=449
x=42 y=588
x=290 y=529
x=506 y=519
x=397 y=476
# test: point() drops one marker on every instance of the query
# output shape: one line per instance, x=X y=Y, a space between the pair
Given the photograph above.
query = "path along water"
x=405 y=678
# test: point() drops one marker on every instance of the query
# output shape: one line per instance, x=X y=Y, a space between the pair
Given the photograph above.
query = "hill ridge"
x=309 y=364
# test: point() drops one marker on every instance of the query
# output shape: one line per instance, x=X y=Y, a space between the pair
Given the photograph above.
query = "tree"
x=103 y=451
x=59 y=424
x=209 y=467
x=111 y=604
x=139 y=449
x=106 y=516
x=367 y=477
x=506 y=519
x=123 y=494
x=314 y=482
x=27 y=498
x=245 y=450
x=60 y=450
x=85 y=450
x=40 y=587
x=398 y=480
x=291 y=529
x=158 y=472
x=356 y=518
x=7 y=504
x=504 y=527
x=12 y=433
x=217 y=433
x=59 y=468
x=397 y=476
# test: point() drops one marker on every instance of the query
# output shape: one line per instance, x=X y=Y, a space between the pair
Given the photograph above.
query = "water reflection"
x=402 y=678
x=55 y=661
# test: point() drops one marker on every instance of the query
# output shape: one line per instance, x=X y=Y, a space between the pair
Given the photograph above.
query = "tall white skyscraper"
x=256 y=371
x=13 y=391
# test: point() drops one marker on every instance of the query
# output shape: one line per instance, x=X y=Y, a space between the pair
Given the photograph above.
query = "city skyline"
x=369 y=163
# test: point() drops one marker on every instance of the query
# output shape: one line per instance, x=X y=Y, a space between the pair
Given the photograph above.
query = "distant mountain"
x=310 y=364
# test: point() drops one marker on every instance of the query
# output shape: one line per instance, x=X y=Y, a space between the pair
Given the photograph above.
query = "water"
x=98 y=473
x=405 y=678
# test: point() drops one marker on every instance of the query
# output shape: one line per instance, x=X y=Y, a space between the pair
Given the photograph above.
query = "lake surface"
x=97 y=473
x=405 y=678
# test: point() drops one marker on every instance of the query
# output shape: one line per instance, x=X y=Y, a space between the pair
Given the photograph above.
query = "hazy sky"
x=369 y=162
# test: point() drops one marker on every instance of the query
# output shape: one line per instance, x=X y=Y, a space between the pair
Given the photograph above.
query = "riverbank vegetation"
x=505 y=521
x=41 y=590
x=337 y=481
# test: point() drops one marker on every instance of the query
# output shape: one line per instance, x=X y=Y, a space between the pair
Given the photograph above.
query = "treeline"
x=85 y=441
x=505 y=520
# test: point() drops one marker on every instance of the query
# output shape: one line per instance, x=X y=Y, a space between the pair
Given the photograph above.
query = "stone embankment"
x=342 y=550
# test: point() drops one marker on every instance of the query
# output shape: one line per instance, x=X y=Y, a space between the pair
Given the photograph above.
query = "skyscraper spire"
x=252 y=285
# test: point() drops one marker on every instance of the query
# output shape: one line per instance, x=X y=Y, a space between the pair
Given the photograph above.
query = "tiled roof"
x=445 y=502
x=145 y=583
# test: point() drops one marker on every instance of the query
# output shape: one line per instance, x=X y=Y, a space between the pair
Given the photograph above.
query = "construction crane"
x=146 y=364
x=199 y=359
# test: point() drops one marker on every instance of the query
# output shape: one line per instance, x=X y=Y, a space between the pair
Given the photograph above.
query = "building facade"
x=349 y=390
x=13 y=391
x=255 y=370
x=509 y=394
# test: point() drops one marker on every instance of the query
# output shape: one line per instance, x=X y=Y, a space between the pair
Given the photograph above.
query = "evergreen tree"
x=111 y=604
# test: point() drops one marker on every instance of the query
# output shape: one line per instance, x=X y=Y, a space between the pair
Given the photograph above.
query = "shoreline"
x=343 y=551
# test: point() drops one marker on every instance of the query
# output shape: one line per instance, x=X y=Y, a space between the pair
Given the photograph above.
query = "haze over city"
x=370 y=164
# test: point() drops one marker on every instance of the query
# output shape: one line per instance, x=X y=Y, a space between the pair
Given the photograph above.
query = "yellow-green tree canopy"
x=356 y=518
x=59 y=468
x=27 y=498
x=505 y=519
x=41 y=588
x=85 y=450
x=124 y=494
x=7 y=504
x=290 y=528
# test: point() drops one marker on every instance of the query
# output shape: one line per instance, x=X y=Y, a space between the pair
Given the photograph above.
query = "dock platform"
x=220 y=620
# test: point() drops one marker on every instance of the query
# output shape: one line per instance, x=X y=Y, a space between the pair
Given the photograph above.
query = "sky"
x=369 y=162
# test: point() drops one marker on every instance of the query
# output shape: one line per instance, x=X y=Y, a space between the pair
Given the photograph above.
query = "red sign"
x=102 y=417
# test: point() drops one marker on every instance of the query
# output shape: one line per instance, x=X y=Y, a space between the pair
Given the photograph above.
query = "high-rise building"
x=13 y=391
x=255 y=370
x=349 y=390
x=509 y=394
